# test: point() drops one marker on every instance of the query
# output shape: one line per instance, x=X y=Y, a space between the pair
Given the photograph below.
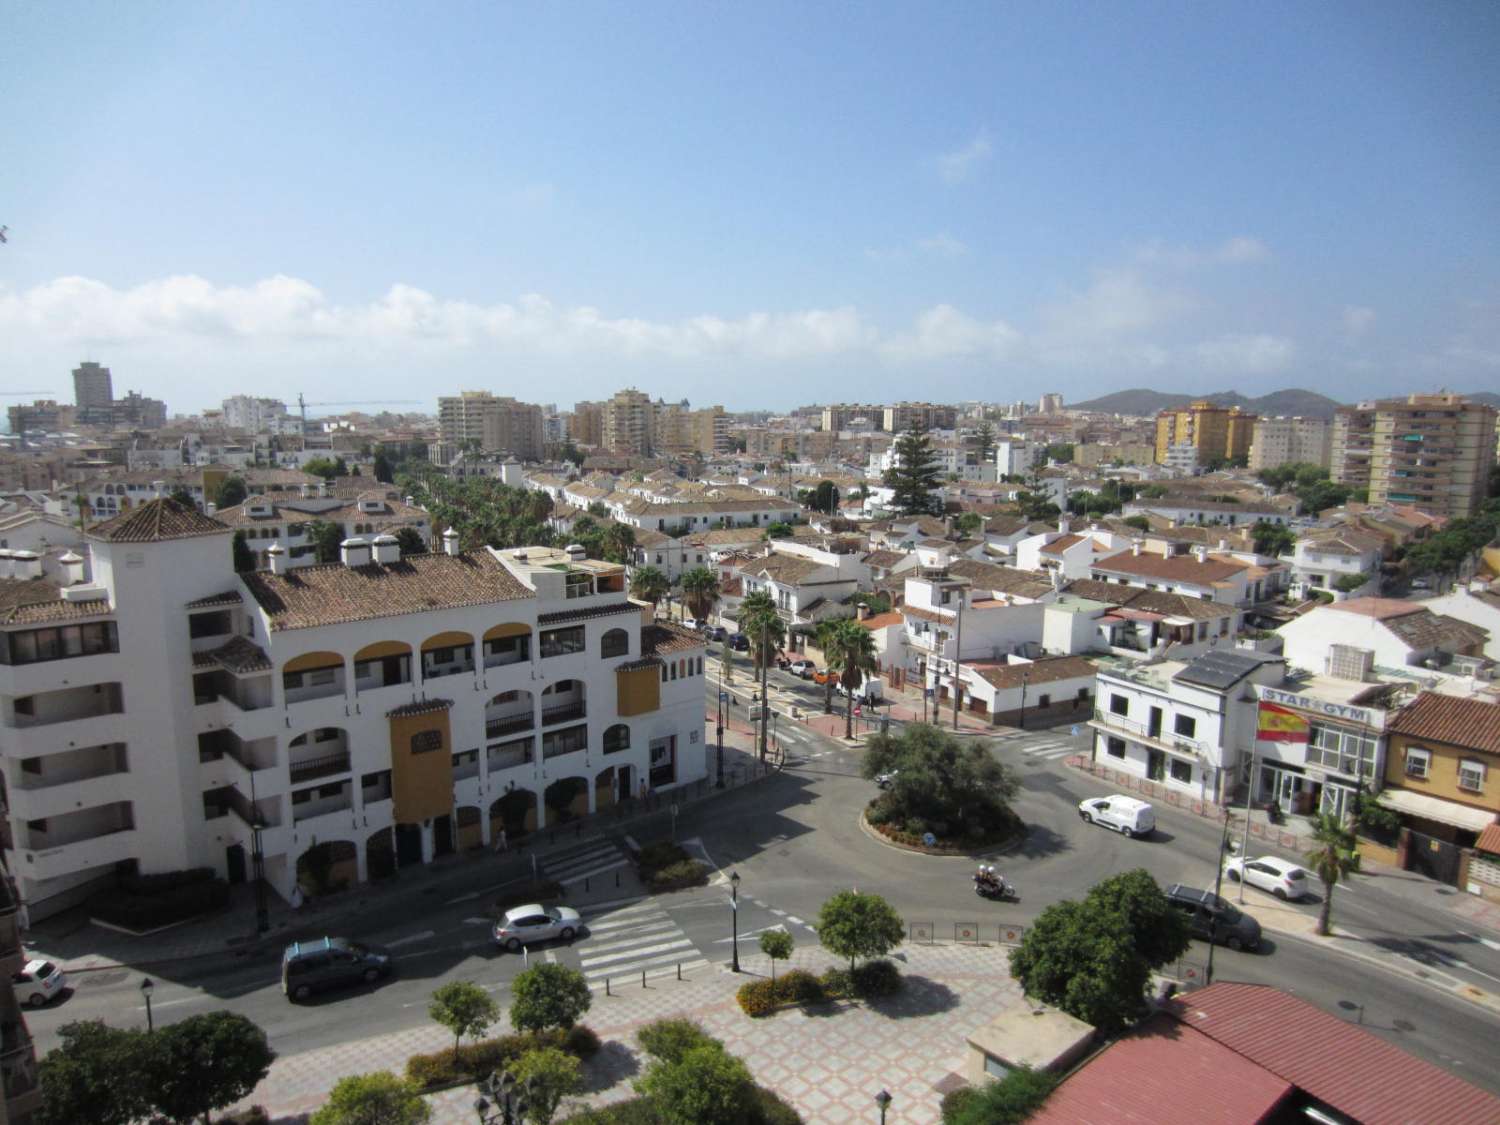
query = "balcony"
x=509 y=755
x=319 y=803
x=456 y=667
x=563 y=713
x=23 y=1092
x=509 y=724
x=1181 y=744
x=373 y=792
x=562 y=742
x=105 y=850
x=50 y=710
x=323 y=765
x=264 y=813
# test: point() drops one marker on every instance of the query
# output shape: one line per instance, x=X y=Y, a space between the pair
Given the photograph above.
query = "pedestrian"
x=500 y=843
x=296 y=899
x=23 y=918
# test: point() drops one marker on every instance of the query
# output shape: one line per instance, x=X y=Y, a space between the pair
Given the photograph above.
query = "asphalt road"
x=794 y=839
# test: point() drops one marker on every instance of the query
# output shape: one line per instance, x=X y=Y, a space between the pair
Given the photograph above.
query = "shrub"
x=800 y=986
x=675 y=876
x=661 y=854
x=769 y=1109
x=580 y=1041
x=757 y=998
x=476 y=1060
x=876 y=978
x=916 y=826
x=670 y=1039
x=955 y=1103
x=165 y=880
x=838 y=984
x=162 y=908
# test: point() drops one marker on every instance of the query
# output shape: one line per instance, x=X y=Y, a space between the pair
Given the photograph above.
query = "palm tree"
x=855 y=658
x=619 y=542
x=1335 y=857
x=826 y=637
x=700 y=589
x=649 y=584
x=762 y=625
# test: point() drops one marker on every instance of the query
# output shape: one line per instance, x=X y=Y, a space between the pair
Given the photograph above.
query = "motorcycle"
x=997 y=889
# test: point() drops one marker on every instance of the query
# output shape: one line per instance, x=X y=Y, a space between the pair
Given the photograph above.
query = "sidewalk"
x=827 y=1062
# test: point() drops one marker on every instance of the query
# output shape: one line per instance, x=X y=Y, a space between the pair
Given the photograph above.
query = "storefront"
x=1313 y=753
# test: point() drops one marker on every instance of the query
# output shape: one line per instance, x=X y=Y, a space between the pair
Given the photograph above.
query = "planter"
x=905 y=843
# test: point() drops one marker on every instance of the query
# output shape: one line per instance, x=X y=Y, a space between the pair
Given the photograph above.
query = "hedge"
x=165 y=880
x=149 y=912
x=676 y=876
x=473 y=1061
x=765 y=1108
x=872 y=979
x=656 y=856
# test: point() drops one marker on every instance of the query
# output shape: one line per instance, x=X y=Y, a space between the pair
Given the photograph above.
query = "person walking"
x=500 y=842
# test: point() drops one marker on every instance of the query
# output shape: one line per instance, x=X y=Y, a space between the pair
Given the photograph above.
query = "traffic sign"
x=723 y=697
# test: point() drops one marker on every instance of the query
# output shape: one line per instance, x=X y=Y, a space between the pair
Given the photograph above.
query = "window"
x=1471 y=775
x=562 y=642
x=1182 y=771
x=617 y=738
x=1418 y=761
x=616 y=642
x=663 y=673
x=1340 y=748
x=663 y=761
x=426 y=740
x=1115 y=747
x=37 y=645
x=1119 y=705
x=1185 y=725
x=1044 y=701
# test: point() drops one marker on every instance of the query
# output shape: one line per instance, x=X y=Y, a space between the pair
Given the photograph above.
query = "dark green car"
x=330 y=962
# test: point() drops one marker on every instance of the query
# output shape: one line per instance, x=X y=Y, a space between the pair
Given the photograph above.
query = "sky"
x=760 y=205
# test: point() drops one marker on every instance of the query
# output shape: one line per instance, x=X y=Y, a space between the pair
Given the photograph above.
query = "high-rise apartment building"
x=838 y=416
x=92 y=386
x=586 y=423
x=1050 y=403
x=498 y=424
x=904 y=415
x=1433 y=452
x=630 y=423
x=1349 y=445
x=1285 y=441
x=255 y=415
x=1216 y=432
x=139 y=411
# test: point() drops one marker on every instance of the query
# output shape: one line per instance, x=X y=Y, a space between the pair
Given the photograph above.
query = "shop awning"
x=1435 y=808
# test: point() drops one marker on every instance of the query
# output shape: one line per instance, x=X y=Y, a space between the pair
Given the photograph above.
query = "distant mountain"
x=1489 y=398
x=1142 y=401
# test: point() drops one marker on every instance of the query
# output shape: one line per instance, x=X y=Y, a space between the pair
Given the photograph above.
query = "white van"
x=871 y=691
x=1130 y=816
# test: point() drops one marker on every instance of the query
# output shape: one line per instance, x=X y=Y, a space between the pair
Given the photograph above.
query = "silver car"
x=523 y=925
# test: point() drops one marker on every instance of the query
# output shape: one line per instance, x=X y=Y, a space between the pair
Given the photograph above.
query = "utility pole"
x=1213 y=930
x=958 y=648
x=765 y=668
x=1249 y=797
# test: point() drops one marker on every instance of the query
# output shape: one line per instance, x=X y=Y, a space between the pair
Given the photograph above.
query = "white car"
x=523 y=925
x=38 y=982
x=1281 y=877
x=802 y=668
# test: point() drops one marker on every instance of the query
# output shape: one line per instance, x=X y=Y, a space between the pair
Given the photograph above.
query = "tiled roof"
x=1470 y=723
x=1178 y=568
x=1357 y=1073
x=661 y=639
x=1045 y=671
x=1058 y=546
x=39 y=601
x=1427 y=630
x=565 y=615
x=884 y=559
x=881 y=620
x=155 y=521
x=214 y=601
x=786 y=569
x=1003 y=579
x=1381 y=609
x=419 y=707
x=234 y=655
x=332 y=594
x=1489 y=840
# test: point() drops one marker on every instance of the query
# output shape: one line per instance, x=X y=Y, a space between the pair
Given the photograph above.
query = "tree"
x=1272 y=538
x=825 y=634
x=1335 y=857
x=548 y=1075
x=1009 y=1101
x=706 y=1086
x=1093 y=959
x=325 y=538
x=776 y=945
x=825 y=497
x=669 y=1039
x=94 y=1075
x=856 y=925
x=183 y=497
x=231 y=491
x=324 y=467
x=969 y=523
x=382 y=469
x=914 y=474
x=1139 y=522
x=954 y=787
x=464 y=1008
x=778 y=530
x=649 y=584
x=1348 y=583
x=244 y=557
x=1060 y=452
x=984 y=441
x=409 y=539
x=205 y=1063
x=700 y=589
x=1322 y=495
x=373 y=1099
x=853 y=653
x=548 y=996
x=618 y=543
x=760 y=622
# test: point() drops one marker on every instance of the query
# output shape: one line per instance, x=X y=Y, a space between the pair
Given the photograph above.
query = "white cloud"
x=956 y=166
x=1239 y=250
x=1357 y=320
x=943 y=332
x=943 y=245
x=1245 y=353
x=1117 y=303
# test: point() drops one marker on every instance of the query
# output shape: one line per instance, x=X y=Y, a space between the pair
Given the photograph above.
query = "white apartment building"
x=269 y=520
x=253 y=414
x=1188 y=727
x=1284 y=441
x=1015 y=457
x=362 y=715
x=1323 y=558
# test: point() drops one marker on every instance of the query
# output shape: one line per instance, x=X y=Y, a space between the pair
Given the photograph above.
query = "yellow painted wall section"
x=1442 y=772
x=639 y=691
x=421 y=783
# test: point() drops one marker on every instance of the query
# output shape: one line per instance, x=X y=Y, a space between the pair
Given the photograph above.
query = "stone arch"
x=328 y=867
x=468 y=833
x=515 y=812
x=566 y=799
x=386 y=663
x=461 y=645
x=506 y=643
x=380 y=855
x=564 y=700
x=604 y=789
x=318 y=752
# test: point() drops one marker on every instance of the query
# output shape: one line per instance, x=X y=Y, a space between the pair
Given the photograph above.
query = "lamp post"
x=258 y=864
x=1213 y=930
x=148 y=986
x=734 y=919
x=719 y=722
x=883 y=1100
x=499 y=1092
x=1025 y=679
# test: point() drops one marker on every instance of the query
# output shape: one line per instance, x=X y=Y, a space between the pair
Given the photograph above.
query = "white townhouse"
x=1323 y=557
x=1398 y=636
x=1476 y=603
x=357 y=716
x=701 y=515
x=268 y=519
x=1188 y=726
x=1192 y=509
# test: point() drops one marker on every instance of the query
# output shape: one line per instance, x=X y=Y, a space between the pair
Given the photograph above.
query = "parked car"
x=523 y=925
x=802 y=668
x=886 y=780
x=716 y=633
x=825 y=677
x=1281 y=877
x=38 y=983
x=1213 y=918
x=739 y=642
x=330 y=962
x=1129 y=816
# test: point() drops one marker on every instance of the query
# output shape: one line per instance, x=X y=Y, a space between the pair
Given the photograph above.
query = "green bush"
x=657 y=856
x=670 y=1039
x=876 y=978
x=838 y=984
x=955 y=1103
x=476 y=1060
x=769 y=1109
x=757 y=997
x=675 y=876
x=800 y=986
x=163 y=908
x=580 y=1042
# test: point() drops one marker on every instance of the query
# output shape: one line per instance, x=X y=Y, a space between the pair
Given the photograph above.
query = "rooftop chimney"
x=276 y=554
x=576 y=552
x=322 y=488
x=450 y=542
x=387 y=550
x=862 y=611
x=1135 y=546
x=306 y=490
x=6 y=566
x=72 y=564
x=1057 y=577
x=26 y=564
x=355 y=551
x=1223 y=544
x=1064 y=526
x=1200 y=552
x=210 y=508
x=159 y=488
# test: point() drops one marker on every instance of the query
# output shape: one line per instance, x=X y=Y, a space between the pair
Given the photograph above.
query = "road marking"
x=423 y=936
x=794 y=918
x=594 y=871
x=640 y=952
x=750 y=933
x=462 y=898
x=1487 y=942
x=170 y=1003
x=779 y=913
x=477 y=921
x=612 y=930
x=630 y=842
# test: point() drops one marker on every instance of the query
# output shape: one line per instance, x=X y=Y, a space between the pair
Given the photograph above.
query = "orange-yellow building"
x=1216 y=432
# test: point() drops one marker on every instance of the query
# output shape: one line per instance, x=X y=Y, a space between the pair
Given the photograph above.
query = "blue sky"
x=761 y=205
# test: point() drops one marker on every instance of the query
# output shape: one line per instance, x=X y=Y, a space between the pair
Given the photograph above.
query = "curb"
x=869 y=830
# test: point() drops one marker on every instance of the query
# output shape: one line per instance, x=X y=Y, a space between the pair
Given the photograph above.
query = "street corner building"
x=159 y=711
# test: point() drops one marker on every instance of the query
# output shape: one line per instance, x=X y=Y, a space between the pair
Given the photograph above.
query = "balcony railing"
x=1168 y=739
x=508 y=755
x=18 y=1063
x=508 y=724
x=565 y=713
x=321 y=766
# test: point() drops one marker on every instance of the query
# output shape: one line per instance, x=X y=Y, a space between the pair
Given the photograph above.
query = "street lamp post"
x=1213 y=930
x=719 y=725
x=148 y=986
x=734 y=919
x=499 y=1092
x=258 y=864
x=1025 y=679
x=883 y=1100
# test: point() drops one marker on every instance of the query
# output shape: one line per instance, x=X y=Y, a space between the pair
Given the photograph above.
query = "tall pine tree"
x=984 y=441
x=913 y=474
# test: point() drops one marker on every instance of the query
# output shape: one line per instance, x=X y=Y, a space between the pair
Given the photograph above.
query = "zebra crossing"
x=573 y=865
x=630 y=940
x=1050 y=750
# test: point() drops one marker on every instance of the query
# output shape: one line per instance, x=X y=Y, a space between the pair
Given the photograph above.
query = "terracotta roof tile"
x=214 y=601
x=1004 y=579
x=155 y=521
x=332 y=594
x=1470 y=723
x=661 y=639
x=882 y=620
x=39 y=601
x=565 y=615
x=1379 y=608
x=234 y=655
x=419 y=707
x=1178 y=568
x=1036 y=672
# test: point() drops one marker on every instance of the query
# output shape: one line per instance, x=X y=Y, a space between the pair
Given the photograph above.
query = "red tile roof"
x=156 y=520
x=1163 y=1074
x=1489 y=840
x=1470 y=723
x=1178 y=568
x=1356 y=1072
x=882 y=620
x=1379 y=608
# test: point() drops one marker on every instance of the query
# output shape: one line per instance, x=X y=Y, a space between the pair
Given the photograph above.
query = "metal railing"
x=320 y=767
x=564 y=713
x=509 y=724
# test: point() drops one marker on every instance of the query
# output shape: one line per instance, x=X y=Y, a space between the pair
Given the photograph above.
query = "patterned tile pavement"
x=829 y=1063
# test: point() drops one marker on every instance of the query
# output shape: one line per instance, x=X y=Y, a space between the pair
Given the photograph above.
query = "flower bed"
x=473 y=1061
x=798 y=987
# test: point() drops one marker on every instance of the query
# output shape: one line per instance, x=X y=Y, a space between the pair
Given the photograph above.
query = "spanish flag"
x=1278 y=724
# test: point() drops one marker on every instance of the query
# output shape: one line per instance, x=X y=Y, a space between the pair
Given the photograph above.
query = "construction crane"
x=302 y=406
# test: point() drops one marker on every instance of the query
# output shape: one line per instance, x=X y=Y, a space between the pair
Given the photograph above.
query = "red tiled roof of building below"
x=1177 y=568
x=1354 y=1071
x=882 y=620
x=1489 y=840
x=1378 y=608
x=1163 y=1074
x=156 y=520
x=1470 y=723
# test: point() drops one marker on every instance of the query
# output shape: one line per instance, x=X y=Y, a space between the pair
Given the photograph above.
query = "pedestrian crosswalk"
x=573 y=865
x=1054 y=748
x=625 y=942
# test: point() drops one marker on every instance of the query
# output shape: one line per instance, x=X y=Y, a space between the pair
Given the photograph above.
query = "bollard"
x=679 y=970
x=643 y=978
x=606 y=987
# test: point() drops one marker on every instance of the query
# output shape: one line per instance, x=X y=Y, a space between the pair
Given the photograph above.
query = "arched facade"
x=564 y=701
x=614 y=642
x=506 y=643
x=510 y=712
x=447 y=654
x=382 y=664
x=328 y=867
x=566 y=799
